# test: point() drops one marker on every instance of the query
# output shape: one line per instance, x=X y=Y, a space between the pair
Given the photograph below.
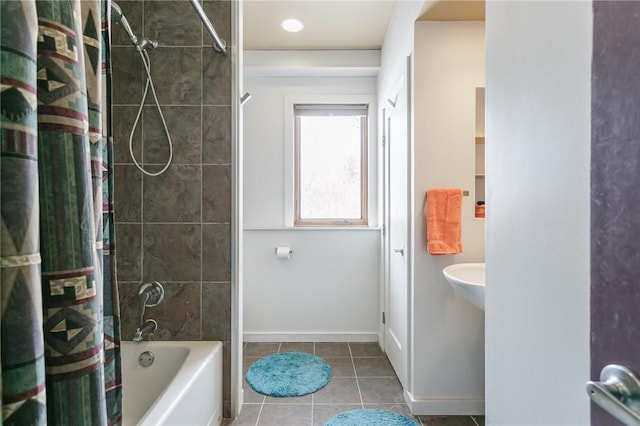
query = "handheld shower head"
x=119 y=18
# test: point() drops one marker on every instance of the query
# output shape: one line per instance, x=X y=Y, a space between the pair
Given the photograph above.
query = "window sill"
x=314 y=228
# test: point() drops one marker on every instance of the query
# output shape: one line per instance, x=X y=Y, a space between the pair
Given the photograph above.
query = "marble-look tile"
x=217 y=78
x=285 y=415
x=177 y=71
x=248 y=416
x=174 y=196
x=216 y=135
x=129 y=252
x=333 y=349
x=338 y=390
x=216 y=311
x=129 y=308
x=219 y=12
x=127 y=193
x=400 y=408
x=479 y=420
x=365 y=349
x=172 y=252
x=305 y=399
x=373 y=367
x=247 y=361
x=260 y=349
x=123 y=118
x=447 y=420
x=127 y=71
x=342 y=394
x=216 y=252
x=185 y=130
x=251 y=396
x=178 y=315
x=226 y=378
x=216 y=194
x=323 y=412
x=132 y=10
x=172 y=23
x=341 y=367
x=307 y=347
x=381 y=390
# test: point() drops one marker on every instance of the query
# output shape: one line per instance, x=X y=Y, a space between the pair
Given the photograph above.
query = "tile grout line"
x=202 y=261
x=202 y=185
x=260 y=411
x=353 y=364
x=313 y=395
x=142 y=175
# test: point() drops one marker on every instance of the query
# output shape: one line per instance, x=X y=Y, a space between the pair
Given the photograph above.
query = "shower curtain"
x=60 y=330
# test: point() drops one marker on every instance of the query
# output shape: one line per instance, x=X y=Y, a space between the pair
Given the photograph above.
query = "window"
x=330 y=170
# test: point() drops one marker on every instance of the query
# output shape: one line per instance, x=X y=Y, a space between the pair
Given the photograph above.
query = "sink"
x=468 y=280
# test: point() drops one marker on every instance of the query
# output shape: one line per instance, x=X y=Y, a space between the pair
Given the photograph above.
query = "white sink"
x=468 y=280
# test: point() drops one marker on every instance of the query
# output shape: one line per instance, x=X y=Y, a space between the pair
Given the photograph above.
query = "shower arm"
x=218 y=44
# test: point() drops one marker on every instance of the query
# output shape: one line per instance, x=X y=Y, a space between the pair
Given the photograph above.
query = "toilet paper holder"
x=283 y=252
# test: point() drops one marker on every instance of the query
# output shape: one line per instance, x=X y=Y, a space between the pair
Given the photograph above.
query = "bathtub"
x=183 y=385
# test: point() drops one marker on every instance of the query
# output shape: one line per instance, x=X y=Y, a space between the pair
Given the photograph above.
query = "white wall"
x=265 y=138
x=398 y=44
x=328 y=290
x=446 y=357
x=448 y=332
x=537 y=250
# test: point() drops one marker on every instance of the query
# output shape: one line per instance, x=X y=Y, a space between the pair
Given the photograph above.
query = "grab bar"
x=218 y=44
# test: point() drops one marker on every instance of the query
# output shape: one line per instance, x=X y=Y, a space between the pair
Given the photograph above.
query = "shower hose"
x=147 y=67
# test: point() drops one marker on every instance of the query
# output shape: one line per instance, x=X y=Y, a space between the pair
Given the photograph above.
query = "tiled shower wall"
x=175 y=228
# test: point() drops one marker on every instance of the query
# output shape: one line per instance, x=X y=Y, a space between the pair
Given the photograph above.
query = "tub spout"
x=148 y=328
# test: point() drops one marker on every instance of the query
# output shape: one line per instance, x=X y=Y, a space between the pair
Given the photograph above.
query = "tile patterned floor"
x=362 y=378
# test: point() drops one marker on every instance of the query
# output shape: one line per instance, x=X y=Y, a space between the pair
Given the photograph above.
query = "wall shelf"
x=480 y=147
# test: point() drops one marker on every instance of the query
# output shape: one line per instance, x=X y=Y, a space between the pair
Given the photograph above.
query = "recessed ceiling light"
x=292 y=25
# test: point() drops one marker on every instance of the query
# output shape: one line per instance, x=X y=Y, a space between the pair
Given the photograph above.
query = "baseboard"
x=444 y=407
x=310 y=337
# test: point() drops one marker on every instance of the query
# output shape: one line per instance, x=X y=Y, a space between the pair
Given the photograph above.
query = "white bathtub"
x=183 y=386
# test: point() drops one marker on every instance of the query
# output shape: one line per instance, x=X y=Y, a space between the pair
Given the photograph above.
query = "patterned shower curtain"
x=60 y=328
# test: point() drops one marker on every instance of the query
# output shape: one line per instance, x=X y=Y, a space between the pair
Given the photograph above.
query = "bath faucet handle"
x=151 y=294
x=147 y=329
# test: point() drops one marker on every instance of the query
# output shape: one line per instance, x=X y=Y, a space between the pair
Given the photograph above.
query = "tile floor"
x=362 y=378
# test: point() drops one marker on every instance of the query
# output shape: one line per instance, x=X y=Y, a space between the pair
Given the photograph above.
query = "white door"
x=396 y=128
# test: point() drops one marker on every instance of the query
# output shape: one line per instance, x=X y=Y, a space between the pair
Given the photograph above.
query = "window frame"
x=365 y=119
x=326 y=95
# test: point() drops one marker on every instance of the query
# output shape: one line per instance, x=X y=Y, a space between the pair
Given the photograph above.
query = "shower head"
x=119 y=18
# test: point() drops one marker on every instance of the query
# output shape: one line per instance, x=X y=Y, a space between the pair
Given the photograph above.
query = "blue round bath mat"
x=289 y=374
x=370 y=417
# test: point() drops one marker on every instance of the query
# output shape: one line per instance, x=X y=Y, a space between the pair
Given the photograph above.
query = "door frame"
x=614 y=200
x=404 y=82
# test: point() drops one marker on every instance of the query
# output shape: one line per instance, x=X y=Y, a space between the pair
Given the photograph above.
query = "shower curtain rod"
x=218 y=44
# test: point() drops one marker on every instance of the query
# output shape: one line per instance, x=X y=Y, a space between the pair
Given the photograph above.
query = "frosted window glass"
x=330 y=167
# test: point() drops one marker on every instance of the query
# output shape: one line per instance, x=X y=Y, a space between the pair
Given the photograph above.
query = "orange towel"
x=444 y=221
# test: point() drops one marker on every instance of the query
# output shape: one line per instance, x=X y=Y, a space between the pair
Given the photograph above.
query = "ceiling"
x=339 y=24
x=453 y=10
x=328 y=24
